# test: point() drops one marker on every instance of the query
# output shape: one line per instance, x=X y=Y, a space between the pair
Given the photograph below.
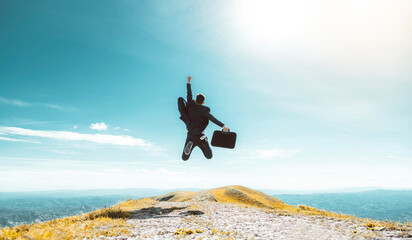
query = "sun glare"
x=355 y=36
x=269 y=21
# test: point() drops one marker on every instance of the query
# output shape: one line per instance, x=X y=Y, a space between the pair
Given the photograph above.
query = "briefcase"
x=224 y=139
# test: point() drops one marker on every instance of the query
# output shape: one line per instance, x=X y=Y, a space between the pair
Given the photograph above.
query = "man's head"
x=200 y=99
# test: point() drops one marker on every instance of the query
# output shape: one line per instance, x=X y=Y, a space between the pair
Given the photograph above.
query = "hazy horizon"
x=267 y=191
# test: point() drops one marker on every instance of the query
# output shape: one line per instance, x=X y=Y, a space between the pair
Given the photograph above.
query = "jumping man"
x=196 y=116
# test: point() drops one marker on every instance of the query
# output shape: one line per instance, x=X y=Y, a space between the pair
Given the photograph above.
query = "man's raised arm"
x=189 y=89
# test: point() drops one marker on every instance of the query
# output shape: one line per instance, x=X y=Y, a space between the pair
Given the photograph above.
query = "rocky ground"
x=208 y=220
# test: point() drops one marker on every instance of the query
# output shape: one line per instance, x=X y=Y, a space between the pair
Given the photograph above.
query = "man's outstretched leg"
x=204 y=146
x=181 y=105
x=187 y=149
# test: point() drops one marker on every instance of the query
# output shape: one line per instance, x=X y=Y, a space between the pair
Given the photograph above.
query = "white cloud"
x=62 y=151
x=98 y=126
x=39 y=179
x=123 y=140
x=399 y=158
x=119 y=128
x=275 y=152
x=21 y=103
x=15 y=102
x=75 y=127
x=15 y=140
x=60 y=108
x=159 y=171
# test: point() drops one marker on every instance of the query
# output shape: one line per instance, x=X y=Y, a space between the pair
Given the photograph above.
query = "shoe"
x=188 y=147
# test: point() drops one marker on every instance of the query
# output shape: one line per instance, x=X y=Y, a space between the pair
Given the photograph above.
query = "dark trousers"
x=202 y=144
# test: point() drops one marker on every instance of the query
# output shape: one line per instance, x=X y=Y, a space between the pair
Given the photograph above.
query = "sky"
x=318 y=92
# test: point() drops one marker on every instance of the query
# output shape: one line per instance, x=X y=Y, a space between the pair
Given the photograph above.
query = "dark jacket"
x=199 y=115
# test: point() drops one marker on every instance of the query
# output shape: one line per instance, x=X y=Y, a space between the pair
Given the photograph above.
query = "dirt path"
x=226 y=221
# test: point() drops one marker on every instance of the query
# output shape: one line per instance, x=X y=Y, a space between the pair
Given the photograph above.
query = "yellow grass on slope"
x=103 y=222
x=178 y=196
x=246 y=196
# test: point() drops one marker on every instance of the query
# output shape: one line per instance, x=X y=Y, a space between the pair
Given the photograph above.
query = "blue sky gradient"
x=318 y=92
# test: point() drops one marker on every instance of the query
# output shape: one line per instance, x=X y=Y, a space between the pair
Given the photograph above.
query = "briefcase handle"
x=225 y=132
